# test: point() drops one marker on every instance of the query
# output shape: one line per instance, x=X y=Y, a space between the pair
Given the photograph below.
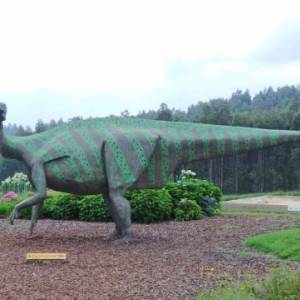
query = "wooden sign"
x=46 y=256
x=294 y=207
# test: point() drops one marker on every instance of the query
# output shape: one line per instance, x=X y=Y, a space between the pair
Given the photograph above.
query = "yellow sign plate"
x=46 y=256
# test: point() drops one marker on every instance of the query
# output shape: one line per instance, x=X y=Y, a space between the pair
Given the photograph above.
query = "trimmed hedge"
x=150 y=205
x=62 y=206
x=188 y=210
x=184 y=200
x=93 y=209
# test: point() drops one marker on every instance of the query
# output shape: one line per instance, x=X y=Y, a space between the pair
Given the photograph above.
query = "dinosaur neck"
x=8 y=146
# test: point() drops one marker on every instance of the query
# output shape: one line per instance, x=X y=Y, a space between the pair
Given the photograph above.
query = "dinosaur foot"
x=13 y=216
x=118 y=239
x=124 y=239
x=112 y=236
x=31 y=228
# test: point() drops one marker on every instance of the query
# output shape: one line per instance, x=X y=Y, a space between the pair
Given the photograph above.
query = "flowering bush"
x=186 y=199
x=202 y=192
x=188 y=210
x=10 y=196
x=186 y=174
x=17 y=178
x=18 y=183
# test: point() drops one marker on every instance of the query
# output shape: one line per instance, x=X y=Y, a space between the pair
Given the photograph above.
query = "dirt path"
x=164 y=261
x=264 y=203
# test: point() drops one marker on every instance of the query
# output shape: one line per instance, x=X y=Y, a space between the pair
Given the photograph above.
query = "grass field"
x=284 y=244
x=283 y=284
x=229 y=293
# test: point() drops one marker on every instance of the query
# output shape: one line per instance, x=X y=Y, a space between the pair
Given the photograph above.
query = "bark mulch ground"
x=164 y=261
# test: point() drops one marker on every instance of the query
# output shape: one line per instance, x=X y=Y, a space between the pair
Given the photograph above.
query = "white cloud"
x=122 y=53
x=93 y=45
x=283 y=46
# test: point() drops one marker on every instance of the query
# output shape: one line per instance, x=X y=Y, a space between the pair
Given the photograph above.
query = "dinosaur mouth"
x=3 y=110
x=2 y=115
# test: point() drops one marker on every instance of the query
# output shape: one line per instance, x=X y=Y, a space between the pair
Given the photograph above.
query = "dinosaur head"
x=3 y=110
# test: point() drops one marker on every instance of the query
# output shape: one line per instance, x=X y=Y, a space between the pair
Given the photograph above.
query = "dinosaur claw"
x=13 y=216
x=31 y=228
x=122 y=241
x=112 y=236
x=123 y=238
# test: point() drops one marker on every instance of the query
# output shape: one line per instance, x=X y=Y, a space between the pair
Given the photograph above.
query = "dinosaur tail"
x=225 y=140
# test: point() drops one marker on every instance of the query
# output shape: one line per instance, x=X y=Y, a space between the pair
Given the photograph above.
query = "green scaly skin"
x=112 y=155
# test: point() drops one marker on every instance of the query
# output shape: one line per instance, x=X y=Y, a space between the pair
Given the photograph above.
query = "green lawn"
x=284 y=244
x=241 y=292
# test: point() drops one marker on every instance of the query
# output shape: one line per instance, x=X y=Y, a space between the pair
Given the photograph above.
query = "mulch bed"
x=164 y=261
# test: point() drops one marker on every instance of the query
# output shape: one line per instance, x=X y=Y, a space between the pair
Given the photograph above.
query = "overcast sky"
x=61 y=58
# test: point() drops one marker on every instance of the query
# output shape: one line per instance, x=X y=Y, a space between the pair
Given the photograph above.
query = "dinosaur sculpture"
x=112 y=155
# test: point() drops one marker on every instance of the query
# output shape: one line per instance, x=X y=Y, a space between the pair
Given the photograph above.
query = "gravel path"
x=164 y=261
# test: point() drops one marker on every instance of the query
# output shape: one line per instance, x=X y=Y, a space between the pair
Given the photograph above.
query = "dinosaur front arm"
x=39 y=182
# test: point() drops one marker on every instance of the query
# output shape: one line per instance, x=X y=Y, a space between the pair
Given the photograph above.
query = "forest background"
x=259 y=171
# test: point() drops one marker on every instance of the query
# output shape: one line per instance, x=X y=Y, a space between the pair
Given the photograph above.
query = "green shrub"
x=62 y=206
x=176 y=191
x=25 y=213
x=93 y=209
x=6 y=208
x=188 y=210
x=201 y=198
x=282 y=285
x=150 y=205
x=204 y=193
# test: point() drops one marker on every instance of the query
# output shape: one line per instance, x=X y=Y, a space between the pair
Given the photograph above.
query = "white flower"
x=18 y=178
x=187 y=174
x=183 y=201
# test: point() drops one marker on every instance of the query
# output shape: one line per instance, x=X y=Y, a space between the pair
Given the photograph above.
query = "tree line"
x=259 y=171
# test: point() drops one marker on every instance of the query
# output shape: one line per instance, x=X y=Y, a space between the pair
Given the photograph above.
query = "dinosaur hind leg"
x=36 y=211
x=120 y=211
